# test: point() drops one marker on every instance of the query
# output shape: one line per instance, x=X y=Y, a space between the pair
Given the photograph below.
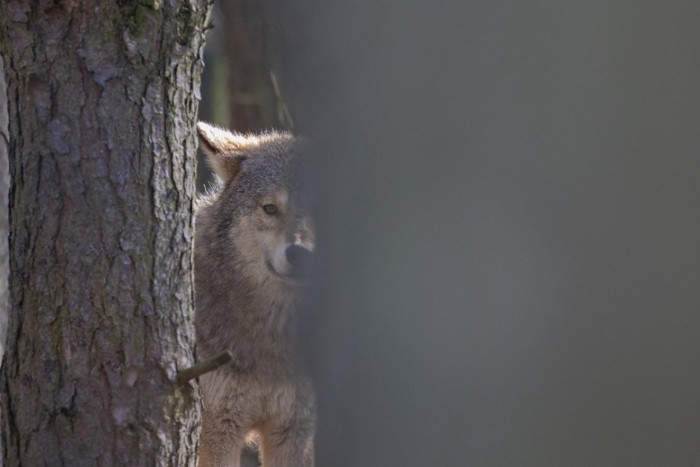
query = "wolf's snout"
x=299 y=257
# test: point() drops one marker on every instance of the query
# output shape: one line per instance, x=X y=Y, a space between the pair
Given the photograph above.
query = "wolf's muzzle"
x=299 y=258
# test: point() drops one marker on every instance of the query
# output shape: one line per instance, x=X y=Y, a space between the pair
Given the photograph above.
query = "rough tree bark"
x=4 y=225
x=102 y=101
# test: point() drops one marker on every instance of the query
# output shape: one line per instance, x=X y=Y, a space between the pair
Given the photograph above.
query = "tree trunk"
x=4 y=225
x=102 y=101
x=254 y=34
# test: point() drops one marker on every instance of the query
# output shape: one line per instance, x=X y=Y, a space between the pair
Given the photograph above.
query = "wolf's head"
x=260 y=208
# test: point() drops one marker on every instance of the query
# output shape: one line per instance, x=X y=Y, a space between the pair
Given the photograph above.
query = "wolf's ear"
x=225 y=150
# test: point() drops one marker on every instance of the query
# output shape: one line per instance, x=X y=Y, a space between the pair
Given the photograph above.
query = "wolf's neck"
x=263 y=308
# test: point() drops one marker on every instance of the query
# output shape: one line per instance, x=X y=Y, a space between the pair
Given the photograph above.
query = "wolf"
x=254 y=239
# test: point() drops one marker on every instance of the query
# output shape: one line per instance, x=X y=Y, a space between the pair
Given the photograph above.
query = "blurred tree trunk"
x=102 y=97
x=254 y=35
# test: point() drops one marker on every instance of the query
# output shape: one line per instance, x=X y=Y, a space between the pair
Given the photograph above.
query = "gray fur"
x=245 y=305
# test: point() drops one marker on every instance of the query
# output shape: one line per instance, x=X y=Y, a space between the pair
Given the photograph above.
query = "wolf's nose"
x=298 y=256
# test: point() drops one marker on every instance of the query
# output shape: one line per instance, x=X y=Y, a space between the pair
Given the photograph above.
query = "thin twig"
x=282 y=109
x=204 y=367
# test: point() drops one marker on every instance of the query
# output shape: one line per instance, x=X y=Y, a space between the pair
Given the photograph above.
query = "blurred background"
x=508 y=201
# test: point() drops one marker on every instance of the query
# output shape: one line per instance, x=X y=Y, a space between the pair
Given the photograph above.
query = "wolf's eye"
x=270 y=209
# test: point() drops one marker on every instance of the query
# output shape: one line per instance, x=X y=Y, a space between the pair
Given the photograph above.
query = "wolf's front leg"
x=288 y=446
x=220 y=444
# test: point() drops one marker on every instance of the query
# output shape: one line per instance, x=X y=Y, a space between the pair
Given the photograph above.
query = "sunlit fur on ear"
x=225 y=150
